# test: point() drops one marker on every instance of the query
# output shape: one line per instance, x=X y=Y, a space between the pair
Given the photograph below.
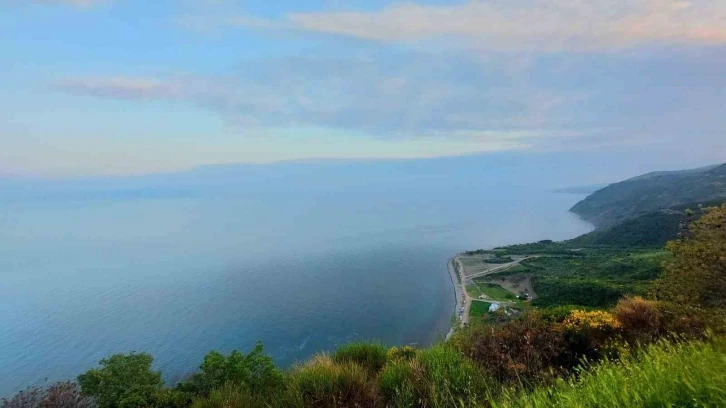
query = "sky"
x=95 y=87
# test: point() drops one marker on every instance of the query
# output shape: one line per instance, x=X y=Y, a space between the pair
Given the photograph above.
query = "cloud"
x=500 y=99
x=541 y=25
x=74 y=3
x=121 y=87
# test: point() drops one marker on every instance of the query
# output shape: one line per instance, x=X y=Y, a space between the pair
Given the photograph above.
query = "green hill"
x=649 y=230
x=651 y=192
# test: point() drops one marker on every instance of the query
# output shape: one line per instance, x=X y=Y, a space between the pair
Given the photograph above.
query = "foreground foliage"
x=697 y=274
x=666 y=375
x=59 y=395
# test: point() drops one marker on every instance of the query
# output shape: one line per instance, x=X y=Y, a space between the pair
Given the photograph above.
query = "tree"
x=696 y=276
x=123 y=381
x=254 y=371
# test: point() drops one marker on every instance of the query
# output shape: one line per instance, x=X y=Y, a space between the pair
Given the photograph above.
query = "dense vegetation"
x=498 y=259
x=680 y=375
x=590 y=343
x=650 y=230
x=651 y=192
x=599 y=268
x=592 y=277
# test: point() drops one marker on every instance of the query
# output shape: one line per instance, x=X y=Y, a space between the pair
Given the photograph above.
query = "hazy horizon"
x=94 y=87
x=178 y=176
x=302 y=260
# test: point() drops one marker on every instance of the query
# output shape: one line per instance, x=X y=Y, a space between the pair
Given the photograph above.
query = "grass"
x=666 y=375
x=496 y=292
x=438 y=377
x=371 y=356
x=473 y=290
x=322 y=382
x=498 y=260
x=594 y=278
x=479 y=308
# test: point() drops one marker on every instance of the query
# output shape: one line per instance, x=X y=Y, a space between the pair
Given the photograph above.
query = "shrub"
x=230 y=396
x=437 y=377
x=397 y=383
x=254 y=371
x=324 y=383
x=371 y=356
x=591 y=320
x=525 y=350
x=59 y=395
x=452 y=379
x=688 y=322
x=402 y=353
x=558 y=314
x=123 y=381
x=696 y=275
x=666 y=375
x=640 y=320
x=591 y=334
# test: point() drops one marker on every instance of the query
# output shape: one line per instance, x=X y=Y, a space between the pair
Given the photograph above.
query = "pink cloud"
x=550 y=25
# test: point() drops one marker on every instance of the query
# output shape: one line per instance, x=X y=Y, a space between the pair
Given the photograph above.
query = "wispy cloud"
x=74 y=3
x=121 y=87
x=542 y=25
x=406 y=96
x=550 y=100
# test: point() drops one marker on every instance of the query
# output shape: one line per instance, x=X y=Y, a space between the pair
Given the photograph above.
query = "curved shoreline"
x=459 y=280
x=457 y=294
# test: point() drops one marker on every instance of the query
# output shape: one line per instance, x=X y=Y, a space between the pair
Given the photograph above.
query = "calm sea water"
x=177 y=275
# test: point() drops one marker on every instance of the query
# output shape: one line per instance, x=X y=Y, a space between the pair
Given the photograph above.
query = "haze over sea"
x=302 y=256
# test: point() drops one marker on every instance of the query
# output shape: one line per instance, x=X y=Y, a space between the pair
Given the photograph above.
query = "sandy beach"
x=457 y=293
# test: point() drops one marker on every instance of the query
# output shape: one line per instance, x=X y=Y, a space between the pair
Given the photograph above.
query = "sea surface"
x=87 y=271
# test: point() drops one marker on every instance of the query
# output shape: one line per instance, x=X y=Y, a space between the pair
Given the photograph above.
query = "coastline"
x=460 y=278
x=457 y=294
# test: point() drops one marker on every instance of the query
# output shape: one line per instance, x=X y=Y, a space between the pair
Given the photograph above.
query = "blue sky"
x=125 y=86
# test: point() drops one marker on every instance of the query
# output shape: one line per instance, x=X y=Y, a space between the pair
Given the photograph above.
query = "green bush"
x=230 y=396
x=666 y=375
x=453 y=379
x=324 y=383
x=438 y=377
x=123 y=381
x=371 y=356
x=254 y=371
x=397 y=384
x=402 y=353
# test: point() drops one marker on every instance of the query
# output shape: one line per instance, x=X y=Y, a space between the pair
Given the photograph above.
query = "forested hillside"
x=651 y=192
x=649 y=230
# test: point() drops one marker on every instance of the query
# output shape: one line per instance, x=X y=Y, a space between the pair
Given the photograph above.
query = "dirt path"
x=467 y=299
x=464 y=280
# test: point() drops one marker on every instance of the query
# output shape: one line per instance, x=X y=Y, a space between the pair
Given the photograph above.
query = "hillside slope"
x=651 y=192
x=649 y=230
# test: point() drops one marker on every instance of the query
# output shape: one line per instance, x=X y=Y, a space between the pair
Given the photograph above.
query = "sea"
x=302 y=257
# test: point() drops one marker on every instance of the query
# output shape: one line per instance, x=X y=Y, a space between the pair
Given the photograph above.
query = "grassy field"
x=495 y=291
x=479 y=308
x=473 y=290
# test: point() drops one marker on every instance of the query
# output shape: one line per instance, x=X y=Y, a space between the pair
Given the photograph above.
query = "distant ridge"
x=589 y=189
x=652 y=192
